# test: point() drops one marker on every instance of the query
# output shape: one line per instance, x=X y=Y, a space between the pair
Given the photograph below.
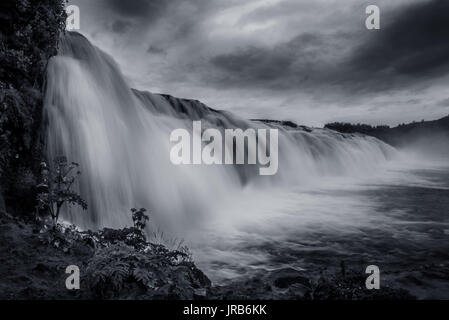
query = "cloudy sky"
x=310 y=61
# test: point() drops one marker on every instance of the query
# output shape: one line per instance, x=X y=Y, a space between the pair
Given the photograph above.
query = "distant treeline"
x=401 y=135
x=346 y=127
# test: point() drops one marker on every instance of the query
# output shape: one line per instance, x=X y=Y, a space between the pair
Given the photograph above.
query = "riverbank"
x=116 y=264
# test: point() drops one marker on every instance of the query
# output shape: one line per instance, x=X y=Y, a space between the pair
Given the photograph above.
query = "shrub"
x=120 y=269
x=55 y=190
x=139 y=218
x=129 y=236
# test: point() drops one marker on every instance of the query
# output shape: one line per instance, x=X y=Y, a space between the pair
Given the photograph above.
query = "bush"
x=119 y=270
x=55 y=190
x=139 y=218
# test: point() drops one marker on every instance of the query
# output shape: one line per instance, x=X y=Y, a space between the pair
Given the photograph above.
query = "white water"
x=120 y=138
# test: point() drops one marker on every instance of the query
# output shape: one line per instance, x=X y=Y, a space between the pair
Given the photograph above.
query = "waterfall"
x=120 y=138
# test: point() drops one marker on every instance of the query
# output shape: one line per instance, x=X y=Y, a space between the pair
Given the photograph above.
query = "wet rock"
x=284 y=278
x=200 y=293
x=298 y=290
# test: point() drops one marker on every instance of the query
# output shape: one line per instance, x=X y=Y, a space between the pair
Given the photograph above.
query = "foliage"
x=118 y=268
x=55 y=190
x=130 y=236
x=160 y=237
x=139 y=218
x=125 y=261
x=29 y=36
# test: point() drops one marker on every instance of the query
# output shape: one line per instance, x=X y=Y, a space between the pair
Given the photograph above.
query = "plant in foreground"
x=55 y=189
x=139 y=218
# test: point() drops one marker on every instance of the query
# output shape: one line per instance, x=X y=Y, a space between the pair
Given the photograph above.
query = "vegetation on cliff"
x=29 y=37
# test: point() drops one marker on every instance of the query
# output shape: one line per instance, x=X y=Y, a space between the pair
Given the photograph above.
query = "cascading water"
x=120 y=138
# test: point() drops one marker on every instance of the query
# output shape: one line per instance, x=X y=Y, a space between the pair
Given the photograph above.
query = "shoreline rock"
x=114 y=265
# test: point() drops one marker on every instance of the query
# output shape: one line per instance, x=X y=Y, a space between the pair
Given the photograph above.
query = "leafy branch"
x=55 y=188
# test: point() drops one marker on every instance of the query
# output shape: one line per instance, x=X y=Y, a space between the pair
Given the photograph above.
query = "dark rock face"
x=280 y=284
x=284 y=278
x=292 y=284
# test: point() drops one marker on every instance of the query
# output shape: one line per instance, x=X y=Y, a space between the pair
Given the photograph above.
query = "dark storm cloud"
x=283 y=66
x=413 y=44
x=120 y=26
x=444 y=103
x=137 y=8
x=180 y=17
